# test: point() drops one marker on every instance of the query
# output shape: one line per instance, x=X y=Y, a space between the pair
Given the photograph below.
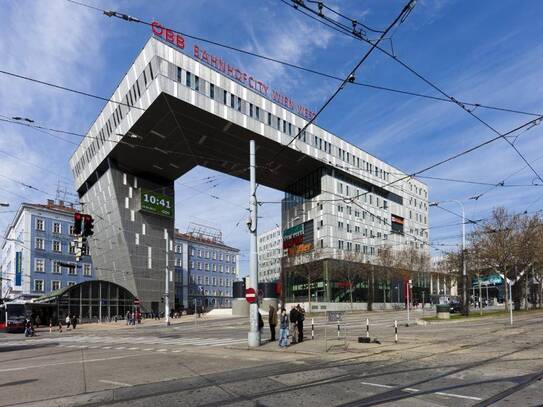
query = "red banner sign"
x=232 y=71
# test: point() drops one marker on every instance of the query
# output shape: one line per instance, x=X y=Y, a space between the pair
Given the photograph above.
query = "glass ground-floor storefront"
x=90 y=301
x=332 y=280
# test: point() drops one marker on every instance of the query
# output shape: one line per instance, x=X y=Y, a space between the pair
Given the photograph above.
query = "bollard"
x=395 y=331
x=312 y=329
x=338 y=329
x=367 y=327
x=50 y=327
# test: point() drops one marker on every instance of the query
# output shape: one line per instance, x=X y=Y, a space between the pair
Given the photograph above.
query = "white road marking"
x=133 y=348
x=13 y=369
x=115 y=383
x=120 y=348
x=147 y=349
x=411 y=390
x=162 y=350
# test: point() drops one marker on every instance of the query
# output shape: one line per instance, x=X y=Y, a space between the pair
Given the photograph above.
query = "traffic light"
x=88 y=225
x=78 y=219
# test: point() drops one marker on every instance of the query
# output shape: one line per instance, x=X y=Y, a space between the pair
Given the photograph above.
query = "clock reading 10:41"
x=156 y=203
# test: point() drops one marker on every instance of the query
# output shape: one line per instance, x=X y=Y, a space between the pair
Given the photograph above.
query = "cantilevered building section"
x=177 y=111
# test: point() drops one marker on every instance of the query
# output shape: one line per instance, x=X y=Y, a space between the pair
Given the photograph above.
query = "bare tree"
x=352 y=270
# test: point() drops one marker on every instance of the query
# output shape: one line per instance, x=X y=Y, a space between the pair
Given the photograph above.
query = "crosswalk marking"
x=109 y=342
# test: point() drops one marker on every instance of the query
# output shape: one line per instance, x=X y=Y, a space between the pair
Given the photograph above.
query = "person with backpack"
x=283 y=328
x=68 y=322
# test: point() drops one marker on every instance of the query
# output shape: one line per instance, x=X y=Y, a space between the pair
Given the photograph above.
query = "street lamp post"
x=465 y=304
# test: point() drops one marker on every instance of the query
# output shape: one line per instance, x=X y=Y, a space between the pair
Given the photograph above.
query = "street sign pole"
x=167 y=288
x=254 y=333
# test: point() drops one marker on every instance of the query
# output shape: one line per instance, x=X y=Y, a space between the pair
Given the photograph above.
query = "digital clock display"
x=156 y=203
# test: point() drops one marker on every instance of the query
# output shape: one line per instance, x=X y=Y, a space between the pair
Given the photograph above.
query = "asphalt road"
x=476 y=363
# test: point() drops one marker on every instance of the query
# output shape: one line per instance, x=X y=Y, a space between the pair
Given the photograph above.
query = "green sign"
x=156 y=203
x=293 y=231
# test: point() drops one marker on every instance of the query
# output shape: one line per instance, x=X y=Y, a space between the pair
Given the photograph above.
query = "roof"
x=209 y=242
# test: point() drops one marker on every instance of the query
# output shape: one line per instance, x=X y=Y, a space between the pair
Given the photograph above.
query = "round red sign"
x=250 y=295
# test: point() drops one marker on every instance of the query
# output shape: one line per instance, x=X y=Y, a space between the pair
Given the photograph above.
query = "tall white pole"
x=167 y=293
x=464 y=272
x=254 y=333
x=510 y=302
x=408 y=299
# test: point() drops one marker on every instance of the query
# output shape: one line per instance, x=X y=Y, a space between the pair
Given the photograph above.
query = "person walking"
x=38 y=321
x=68 y=322
x=127 y=317
x=74 y=321
x=60 y=326
x=272 y=319
x=283 y=328
x=301 y=318
x=294 y=324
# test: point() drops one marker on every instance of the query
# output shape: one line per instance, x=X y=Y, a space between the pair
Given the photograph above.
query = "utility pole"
x=465 y=305
x=254 y=333
x=167 y=293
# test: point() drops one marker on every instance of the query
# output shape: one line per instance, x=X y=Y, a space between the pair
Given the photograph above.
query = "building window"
x=187 y=80
x=38 y=285
x=212 y=91
x=199 y=265
x=192 y=252
x=214 y=255
x=221 y=257
x=40 y=224
x=227 y=257
x=206 y=280
x=87 y=270
x=57 y=269
x=39 y=265
x=71 y=230
x=71 y=283
x=207 y=266
x=178 y=75
x=40 y=244
x=56 y=227
x=214 y=267
x=56 y=246
x=71 y=248
x=196 y=83
x=199 y=253
x=220 y=268
x=55 y=285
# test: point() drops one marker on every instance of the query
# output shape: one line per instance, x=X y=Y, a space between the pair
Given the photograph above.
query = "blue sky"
x=482 y=52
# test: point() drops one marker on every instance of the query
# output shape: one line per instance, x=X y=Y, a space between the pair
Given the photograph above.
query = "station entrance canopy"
x=176 y=112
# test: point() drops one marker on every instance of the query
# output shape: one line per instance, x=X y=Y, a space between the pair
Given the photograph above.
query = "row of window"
x=365 y=232
x=56 y=246
x=40 y=265
x=212 y=255
x=210 y=267
x=128 y=101
x=256 y=112
x=206 y=280
x=56 y=227
x=39 y=285
x=358 y=248
x=215 y=293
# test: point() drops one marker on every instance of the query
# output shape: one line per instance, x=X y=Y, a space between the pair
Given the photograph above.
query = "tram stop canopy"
x=90 y=301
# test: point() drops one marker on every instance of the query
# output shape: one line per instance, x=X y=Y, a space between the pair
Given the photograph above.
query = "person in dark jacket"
x=74 y=321
x=301 y=318
x=260 y=323
x=272 y=319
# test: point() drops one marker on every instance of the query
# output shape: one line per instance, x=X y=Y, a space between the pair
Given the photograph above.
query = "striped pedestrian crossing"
x=116 y=343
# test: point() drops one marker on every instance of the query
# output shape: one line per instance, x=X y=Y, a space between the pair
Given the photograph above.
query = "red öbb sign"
x=250 y=295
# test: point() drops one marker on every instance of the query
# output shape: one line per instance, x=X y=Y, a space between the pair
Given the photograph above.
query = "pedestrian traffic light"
x=78 y=219
x=88 y=225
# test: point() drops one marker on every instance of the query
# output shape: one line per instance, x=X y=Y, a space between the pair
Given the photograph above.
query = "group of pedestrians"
x=132 y=317
x=70 y=321
x=292 y=324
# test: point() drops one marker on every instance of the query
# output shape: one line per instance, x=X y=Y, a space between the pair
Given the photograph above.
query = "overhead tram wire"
x=346 y=31
x=128 y=18
x=350 y=77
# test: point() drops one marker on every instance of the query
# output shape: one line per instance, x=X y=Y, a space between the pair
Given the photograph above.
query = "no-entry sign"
x=250 y=295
